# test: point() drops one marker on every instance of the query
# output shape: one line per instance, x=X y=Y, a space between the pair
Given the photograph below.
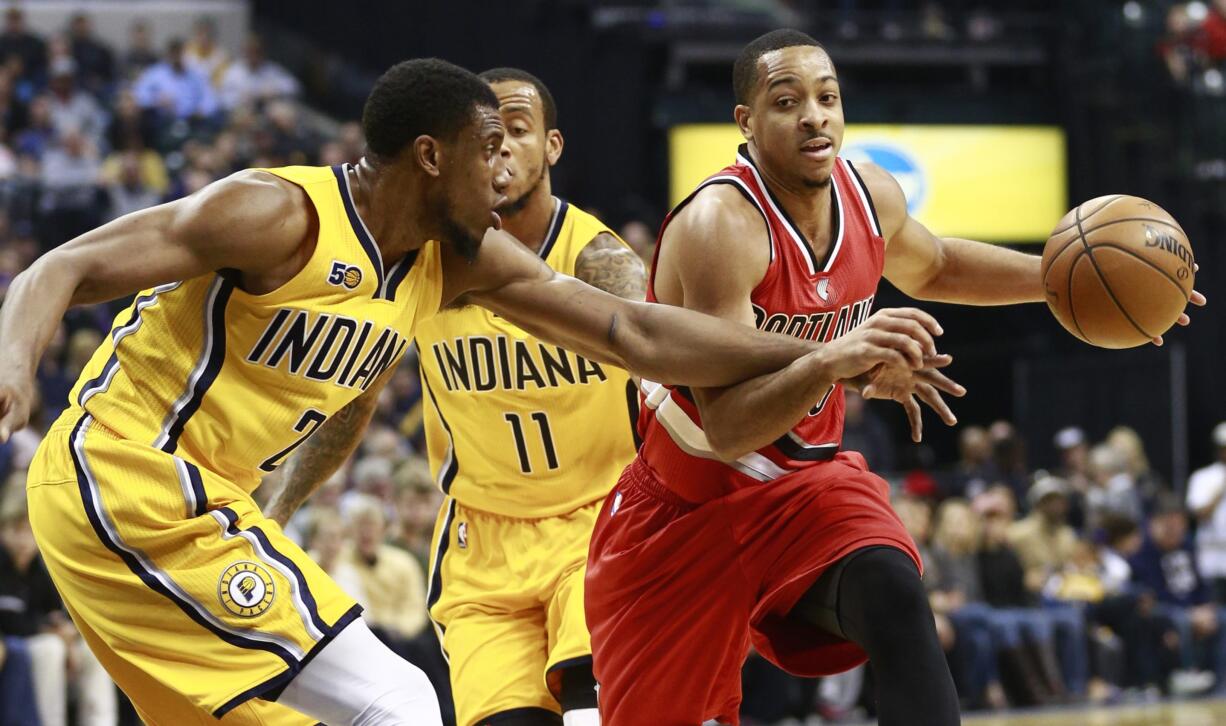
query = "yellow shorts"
x=507 y=598
x=194 y=602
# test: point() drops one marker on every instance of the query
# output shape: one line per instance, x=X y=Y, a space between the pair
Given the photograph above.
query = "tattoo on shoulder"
x=608 y=264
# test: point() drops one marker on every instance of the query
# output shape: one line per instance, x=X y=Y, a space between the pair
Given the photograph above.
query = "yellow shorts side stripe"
x=435 y=590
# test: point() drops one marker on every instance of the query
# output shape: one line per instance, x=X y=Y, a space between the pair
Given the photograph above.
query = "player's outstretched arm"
x=658 y=342
x=946 y=269
x=250 y=222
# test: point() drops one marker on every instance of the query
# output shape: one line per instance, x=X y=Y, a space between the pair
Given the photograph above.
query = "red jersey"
x=800 y=295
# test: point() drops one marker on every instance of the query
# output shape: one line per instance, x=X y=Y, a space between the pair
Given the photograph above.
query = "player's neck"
x=530 y=225
x=390 y=209
x=808 y=206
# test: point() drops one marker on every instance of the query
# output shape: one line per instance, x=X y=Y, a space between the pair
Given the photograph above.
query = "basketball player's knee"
x=882 y=588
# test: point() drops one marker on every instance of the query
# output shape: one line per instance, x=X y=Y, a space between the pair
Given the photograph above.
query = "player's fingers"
x=1197 y=298
x=925 y=319
x=939 y=360
x=915 y=416
x=914 y=330
x=1158 y=341
x=932 y=397
x=942 y=382
x=1184 y=319
x=904 y=344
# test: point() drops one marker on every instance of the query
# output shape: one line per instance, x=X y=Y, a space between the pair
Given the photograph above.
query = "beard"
x=818 y=183
x=460 y=238
x=512 y=207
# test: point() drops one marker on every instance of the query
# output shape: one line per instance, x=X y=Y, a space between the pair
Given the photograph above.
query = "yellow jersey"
x=516 y=426
x=234 y=382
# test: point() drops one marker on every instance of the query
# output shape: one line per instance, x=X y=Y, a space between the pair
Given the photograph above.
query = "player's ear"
x=741 y=114
x=426 y=153
x=553 y=146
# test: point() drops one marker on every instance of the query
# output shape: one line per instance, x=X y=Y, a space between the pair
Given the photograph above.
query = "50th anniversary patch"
x=246 y=589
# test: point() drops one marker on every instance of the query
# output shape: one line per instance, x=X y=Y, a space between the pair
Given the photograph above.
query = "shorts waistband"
x=642 y=478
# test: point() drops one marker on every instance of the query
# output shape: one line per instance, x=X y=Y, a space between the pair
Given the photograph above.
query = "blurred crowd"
x=1091 y=577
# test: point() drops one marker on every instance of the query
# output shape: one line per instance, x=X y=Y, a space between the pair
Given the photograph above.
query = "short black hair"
x=497 y=75
x=423 y=96
x=745 y=70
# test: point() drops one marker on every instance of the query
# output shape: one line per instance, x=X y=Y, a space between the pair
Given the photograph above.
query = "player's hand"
x=15 y=399
x=910 y=387
x=1196 y=298
x=898 y=337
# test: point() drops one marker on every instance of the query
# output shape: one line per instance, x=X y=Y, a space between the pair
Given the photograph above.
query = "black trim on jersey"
x=799 y=452
x=835 y=224
x=111 y=540
x=212 y=367
x=686 y=393
x=515 y=713
x=555 y=228
x=435 y=591
x=570 y=663
x=340 y=171
x=872 y=209
x=446 y=477
x=399 y=271
x=632 y=407
x=271 y=689
x=198 y=493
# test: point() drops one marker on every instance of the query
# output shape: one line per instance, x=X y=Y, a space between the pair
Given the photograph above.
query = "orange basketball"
x=1118 y=271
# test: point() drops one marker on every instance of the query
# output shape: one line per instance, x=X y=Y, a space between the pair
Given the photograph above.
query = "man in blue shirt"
x=1165 y=567
x=175 y=90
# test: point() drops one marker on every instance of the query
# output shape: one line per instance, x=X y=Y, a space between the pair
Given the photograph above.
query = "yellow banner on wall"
x=996 y=183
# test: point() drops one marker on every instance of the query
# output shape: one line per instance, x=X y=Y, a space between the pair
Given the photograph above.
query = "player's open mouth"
x=819 y=149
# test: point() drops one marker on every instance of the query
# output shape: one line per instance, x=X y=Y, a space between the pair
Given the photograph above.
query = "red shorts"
x=676 y=592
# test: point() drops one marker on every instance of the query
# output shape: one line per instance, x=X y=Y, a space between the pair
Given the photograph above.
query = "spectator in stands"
x=865 y=432
x=329 y=544
x=1009 y=458
x=71 y=108
x=1112 y=488
x=16 y=41
x=70 y=199
x=1165 y=567
x=140 y=54
x=1074 y=453
x=31 y=609
x=204 y=54
x=1043 y=540
x=1147 y=482
x=640 y=238
x=173 y=90
x=973 y=472
x=254 y=79
x=392 y=581
x=38 y=135
x=352 y=140
x=371 y=477
x=1207 y=502
x=129 y=192
x=95 y=61
x=14 y=113
x=417 y=504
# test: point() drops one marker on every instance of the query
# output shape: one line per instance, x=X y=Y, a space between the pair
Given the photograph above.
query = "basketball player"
x=272 y=304
x=740 y=520
x=525 y=439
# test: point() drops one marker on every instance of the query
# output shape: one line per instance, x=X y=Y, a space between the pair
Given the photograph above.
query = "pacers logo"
x=344 y=274
x=246 y=589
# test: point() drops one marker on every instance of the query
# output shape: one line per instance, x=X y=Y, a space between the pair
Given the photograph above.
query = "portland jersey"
x=516 y=426
x=800 y=295
x=233 y=382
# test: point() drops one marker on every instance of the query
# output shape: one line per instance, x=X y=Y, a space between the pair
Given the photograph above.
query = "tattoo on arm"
x=322 y=454
x=608 y=264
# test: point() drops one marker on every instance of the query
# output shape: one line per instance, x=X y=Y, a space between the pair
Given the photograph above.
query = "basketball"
x=1118 y=271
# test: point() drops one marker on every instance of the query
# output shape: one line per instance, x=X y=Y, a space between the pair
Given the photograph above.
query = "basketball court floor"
x=1177 y=713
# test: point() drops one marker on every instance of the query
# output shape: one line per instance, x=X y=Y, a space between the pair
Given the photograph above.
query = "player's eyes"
x=785 y=102
x=518 y=131
x=828 y=98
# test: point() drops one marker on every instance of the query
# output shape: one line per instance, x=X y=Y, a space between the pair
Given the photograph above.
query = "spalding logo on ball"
x=1118 y=271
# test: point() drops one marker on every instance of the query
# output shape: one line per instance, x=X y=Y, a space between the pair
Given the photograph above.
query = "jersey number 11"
x=521 y=445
